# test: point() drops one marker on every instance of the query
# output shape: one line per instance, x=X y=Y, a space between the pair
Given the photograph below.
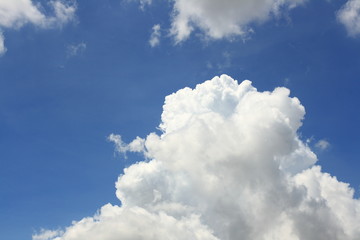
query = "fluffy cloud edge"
x=228 y=165
x=222 y=20
x=14 y=15
x=349 y=16
x=2 y=44
x=236 y=19
x=47 y=234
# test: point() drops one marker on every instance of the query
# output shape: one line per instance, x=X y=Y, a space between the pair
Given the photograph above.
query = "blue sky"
x=64 y=89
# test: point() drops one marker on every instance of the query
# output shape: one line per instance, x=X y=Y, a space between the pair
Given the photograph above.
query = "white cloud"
x=349 y=15
x=113 y=222
x=64 y=13
x=76 y=49
x=137 y=145
x=155 y=35
x=221 y=63
x=47 y=234
x=2 y=44
x=322 y=144
x=143 y=3
x=222 y=19
x=15 y=14
x=228 y=165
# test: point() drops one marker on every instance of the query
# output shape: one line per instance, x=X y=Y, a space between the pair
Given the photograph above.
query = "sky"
x=154 y=91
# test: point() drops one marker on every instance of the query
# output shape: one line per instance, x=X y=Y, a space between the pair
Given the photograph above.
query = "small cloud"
x=227 y=19
x=64 y=12
x=16 y=14
x=76 y=49
x=2 y=44
x=143 y=3
x=47 y=234
x=322 y=144
x=309 y=140
x=137 y=145
x=349 y=16
x=155 y=35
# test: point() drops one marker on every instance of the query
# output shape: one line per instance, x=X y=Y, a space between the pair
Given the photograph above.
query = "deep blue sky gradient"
x=56 y=111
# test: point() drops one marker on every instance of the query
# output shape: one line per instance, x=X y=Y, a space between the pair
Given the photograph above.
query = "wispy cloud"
x=349 y=15
x=322 y=144
x=2 y=44
x=47 y=234
x=76 y=49
x=155 y=35
x=16 y=14
x=137 y=145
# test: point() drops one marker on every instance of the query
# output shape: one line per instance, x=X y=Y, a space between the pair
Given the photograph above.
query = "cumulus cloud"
x=349 y=15
x=222 y=19
x=155 y=35
x=228 y=165
x=15 y=14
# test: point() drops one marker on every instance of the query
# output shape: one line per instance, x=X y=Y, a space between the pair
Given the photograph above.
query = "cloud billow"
x=228 y=165
x=222 y=19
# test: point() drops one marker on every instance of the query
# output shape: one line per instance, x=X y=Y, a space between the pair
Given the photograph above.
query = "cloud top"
x=228 y=165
